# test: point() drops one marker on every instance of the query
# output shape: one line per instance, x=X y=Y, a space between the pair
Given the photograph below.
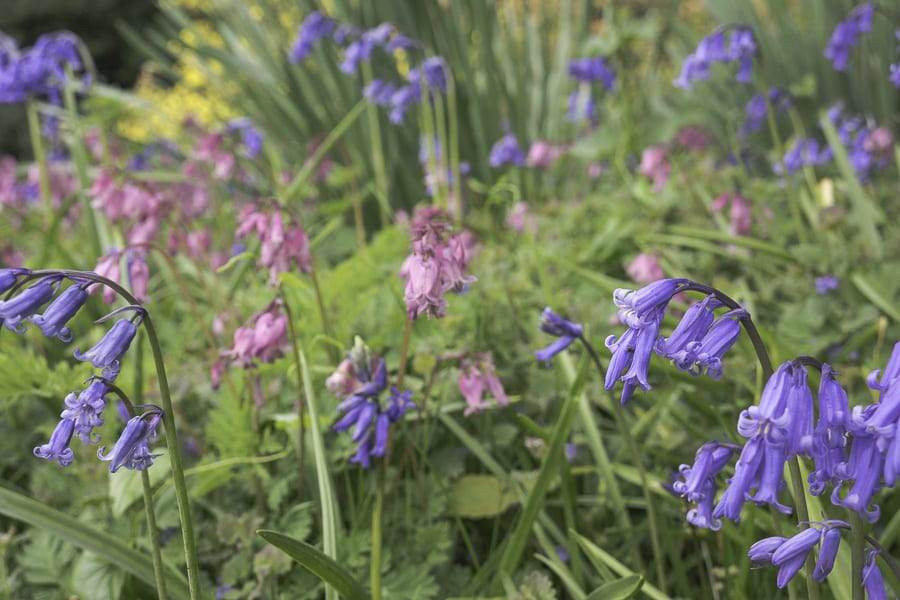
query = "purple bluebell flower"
x=790 y=553
x=742 y=50
x=699 y=486
x=756 y=110
x=363 y=410
x=581 y=107
x=691 y=328
x=825 y=284
x=9 y=277
x=379 y=92
x=314 y=27
x=404 y=97
x=361 y=48
x=84 y=408
x=58 y=447
x=830 y=436
x=132 y=449
x=706 y=354
x=636 y=306
x=565 y=330
x=53 y=321
x=107 y=352
x=506 y=151
x=399 y=42
x=872 y=579
x=39 y=70
x=799 y=411
x=895 y=75
x=846 y=35
x=591 y=69
x=250 y=135
x=434 y=72
x=23 y=305
x=865 y=468
x=344 y=33
x=711 y=49
x=803 y=153
x=746 y=473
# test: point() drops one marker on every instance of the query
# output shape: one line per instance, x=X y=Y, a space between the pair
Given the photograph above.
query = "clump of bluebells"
x=363 y=378
x=740 y=49
x=41 y=70
x=26 y=293
x=430 y=76
x=846 y=35
x=586 y=71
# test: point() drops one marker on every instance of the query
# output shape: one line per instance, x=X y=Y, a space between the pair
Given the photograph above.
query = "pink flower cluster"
x=139 y=207
x=264 y=339
x=655 y=165
x=645 y=268
x=543 y=154
x=478 y=376
x=740 y=215
x=437 y=264
x=19 y=196
x=137 y=273
x=279 y=247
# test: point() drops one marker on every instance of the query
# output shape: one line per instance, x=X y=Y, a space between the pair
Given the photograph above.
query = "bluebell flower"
x=314 y=27
x=379 y=92
x=362 y=410
x=699 y=484
x=39 y=70
x=711 y=49
x=434 y=72
x=84 y=408
x=361 y=48
x=591 y=69
x=53 y=321
x=895 y=75
x=825 y=284
x=691 y=328
x=830 y=436
x=864 y=467
x=344 y=33
x=404 y=97
x=250 y=135
x=58 y=447
x=399 y=42
x=565 y=330
x=846 y=35
x=742 y=50
x=9 y=277
x=23 y=305
x=506 y=151
x=581 y=107
x=132 y=449
x=803 y=153
x=756 y=110
x=706 y=354
x=107 y=352
x=790 y=554
x=872 y=579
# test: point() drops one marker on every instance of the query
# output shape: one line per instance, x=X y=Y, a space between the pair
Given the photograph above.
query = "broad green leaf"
x=622 y=589
x=324 y=567
x=97 y=578
x=603 y=559
x=125 y=485
x=104 y=545
x=480 y=497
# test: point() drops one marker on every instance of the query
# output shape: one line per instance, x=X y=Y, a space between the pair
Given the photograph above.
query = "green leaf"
x=480 y=497
x=603 y=559
x=622 y=589
x=125 y=485
x=327 y=569
x=97 y=578
x=104 y=545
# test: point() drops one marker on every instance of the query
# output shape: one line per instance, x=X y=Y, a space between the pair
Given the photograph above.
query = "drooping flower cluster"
x=696 y=345
x=506 y=151
x=41 y=70
x=566 y=331
x=581 y=104
x=790 y=554
x=363 y=409
x=280 y=247
x=262 y=340
x=712 y=49
x=437 y=264
x=479 y=375
x=756 y=110
x=846 y=35
x=83 y=409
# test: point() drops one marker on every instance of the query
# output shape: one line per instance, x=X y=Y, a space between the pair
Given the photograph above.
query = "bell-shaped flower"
x=131 y=450
x=108 y=351
x=23 y=305
x=58 y=447
x=872 y=579
x=53 y=321
x=565 y=330
x=84 y=409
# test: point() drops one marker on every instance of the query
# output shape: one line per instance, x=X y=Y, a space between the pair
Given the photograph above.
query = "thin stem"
x=40 y=157
x=155 y=542
x=857 y=555
x=300 y=404
x=320 y=302
x=404 y=352
x=381 y=178
x=377 y=510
